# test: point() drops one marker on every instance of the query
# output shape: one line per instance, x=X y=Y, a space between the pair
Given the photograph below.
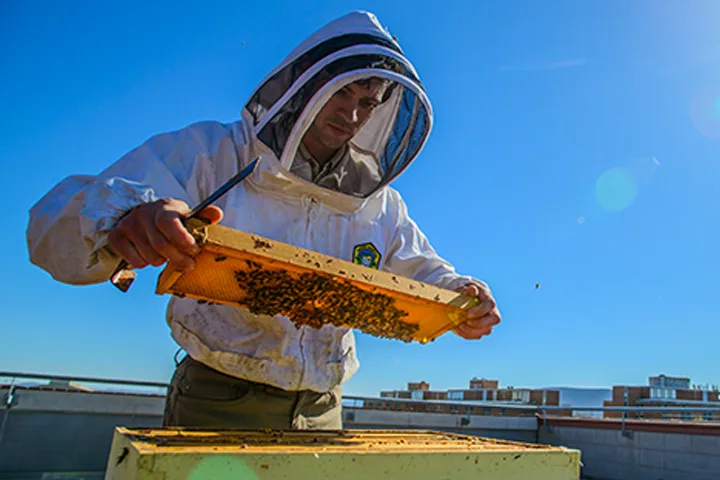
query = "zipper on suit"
x=308 y=203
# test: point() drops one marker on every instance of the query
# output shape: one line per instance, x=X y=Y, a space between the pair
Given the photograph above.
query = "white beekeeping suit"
x=364 y=221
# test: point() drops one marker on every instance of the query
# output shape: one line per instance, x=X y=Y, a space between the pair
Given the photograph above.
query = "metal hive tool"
x=124 y=276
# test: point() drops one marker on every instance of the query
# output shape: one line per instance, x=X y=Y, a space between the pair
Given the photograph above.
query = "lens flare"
x=222 y=467
x=715 y=110
x=705 y=111
x=616 y=189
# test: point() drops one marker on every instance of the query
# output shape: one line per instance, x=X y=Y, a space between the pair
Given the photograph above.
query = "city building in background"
x=665 y=391
x=479 y=397
x=480 y=390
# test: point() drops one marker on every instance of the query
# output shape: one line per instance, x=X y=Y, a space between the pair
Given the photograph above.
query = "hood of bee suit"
x=283 y=106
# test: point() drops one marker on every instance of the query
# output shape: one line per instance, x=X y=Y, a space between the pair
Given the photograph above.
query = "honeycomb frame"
x=227 y=254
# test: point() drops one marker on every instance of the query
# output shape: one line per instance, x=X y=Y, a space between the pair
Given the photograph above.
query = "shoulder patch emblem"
x=367 y=255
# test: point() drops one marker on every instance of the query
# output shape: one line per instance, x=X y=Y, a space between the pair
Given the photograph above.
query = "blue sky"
x=576 y=145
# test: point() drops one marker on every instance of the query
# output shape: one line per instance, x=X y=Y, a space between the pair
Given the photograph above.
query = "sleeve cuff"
x=117 y=197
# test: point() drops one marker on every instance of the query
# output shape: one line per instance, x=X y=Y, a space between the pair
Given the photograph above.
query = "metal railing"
x=9 y=401
x=541 y=411
x=460 y=407
x=353 y=401
x=65 y=378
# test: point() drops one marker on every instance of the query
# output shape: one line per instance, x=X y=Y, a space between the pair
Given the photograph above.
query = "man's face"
x=345 y=114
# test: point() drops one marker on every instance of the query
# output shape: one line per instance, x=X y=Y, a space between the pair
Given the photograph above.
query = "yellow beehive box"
x=237 y=268
x=175 y=454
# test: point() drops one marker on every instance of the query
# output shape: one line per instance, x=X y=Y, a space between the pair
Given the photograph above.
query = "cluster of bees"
x=314 y=300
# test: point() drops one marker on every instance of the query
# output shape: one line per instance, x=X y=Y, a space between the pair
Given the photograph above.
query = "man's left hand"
x=481 y=318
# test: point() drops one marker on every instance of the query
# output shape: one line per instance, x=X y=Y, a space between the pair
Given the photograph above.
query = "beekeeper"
x=334 y=124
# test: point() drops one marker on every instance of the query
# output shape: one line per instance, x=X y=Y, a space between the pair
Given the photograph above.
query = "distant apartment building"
x=480 y=390
x=482 y=383
x=415 y=391
x=663 y=381
x=666 y=391
x=482 y=394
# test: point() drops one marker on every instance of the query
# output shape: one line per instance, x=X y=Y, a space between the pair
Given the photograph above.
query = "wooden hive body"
x=182 y=454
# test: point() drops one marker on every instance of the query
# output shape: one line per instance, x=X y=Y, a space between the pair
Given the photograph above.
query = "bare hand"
x=152 y=234
x=482 y=318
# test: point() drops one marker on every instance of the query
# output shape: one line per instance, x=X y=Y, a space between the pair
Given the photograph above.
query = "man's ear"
x=389 y=91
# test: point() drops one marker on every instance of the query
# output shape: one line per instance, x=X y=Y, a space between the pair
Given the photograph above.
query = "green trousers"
x=199 y=396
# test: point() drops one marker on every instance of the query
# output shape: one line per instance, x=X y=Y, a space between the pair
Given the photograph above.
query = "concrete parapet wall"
x=642 y=451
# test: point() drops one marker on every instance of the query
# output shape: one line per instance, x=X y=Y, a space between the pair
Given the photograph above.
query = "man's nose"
x=349 y=112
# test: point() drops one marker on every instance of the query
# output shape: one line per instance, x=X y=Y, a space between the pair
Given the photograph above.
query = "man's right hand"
x=152 y=234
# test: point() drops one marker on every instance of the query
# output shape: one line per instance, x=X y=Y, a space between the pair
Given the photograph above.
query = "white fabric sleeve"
x=68 y=227
x=412 y=256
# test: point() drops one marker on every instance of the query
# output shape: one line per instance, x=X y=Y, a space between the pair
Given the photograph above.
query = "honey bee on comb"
x=314 y=300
